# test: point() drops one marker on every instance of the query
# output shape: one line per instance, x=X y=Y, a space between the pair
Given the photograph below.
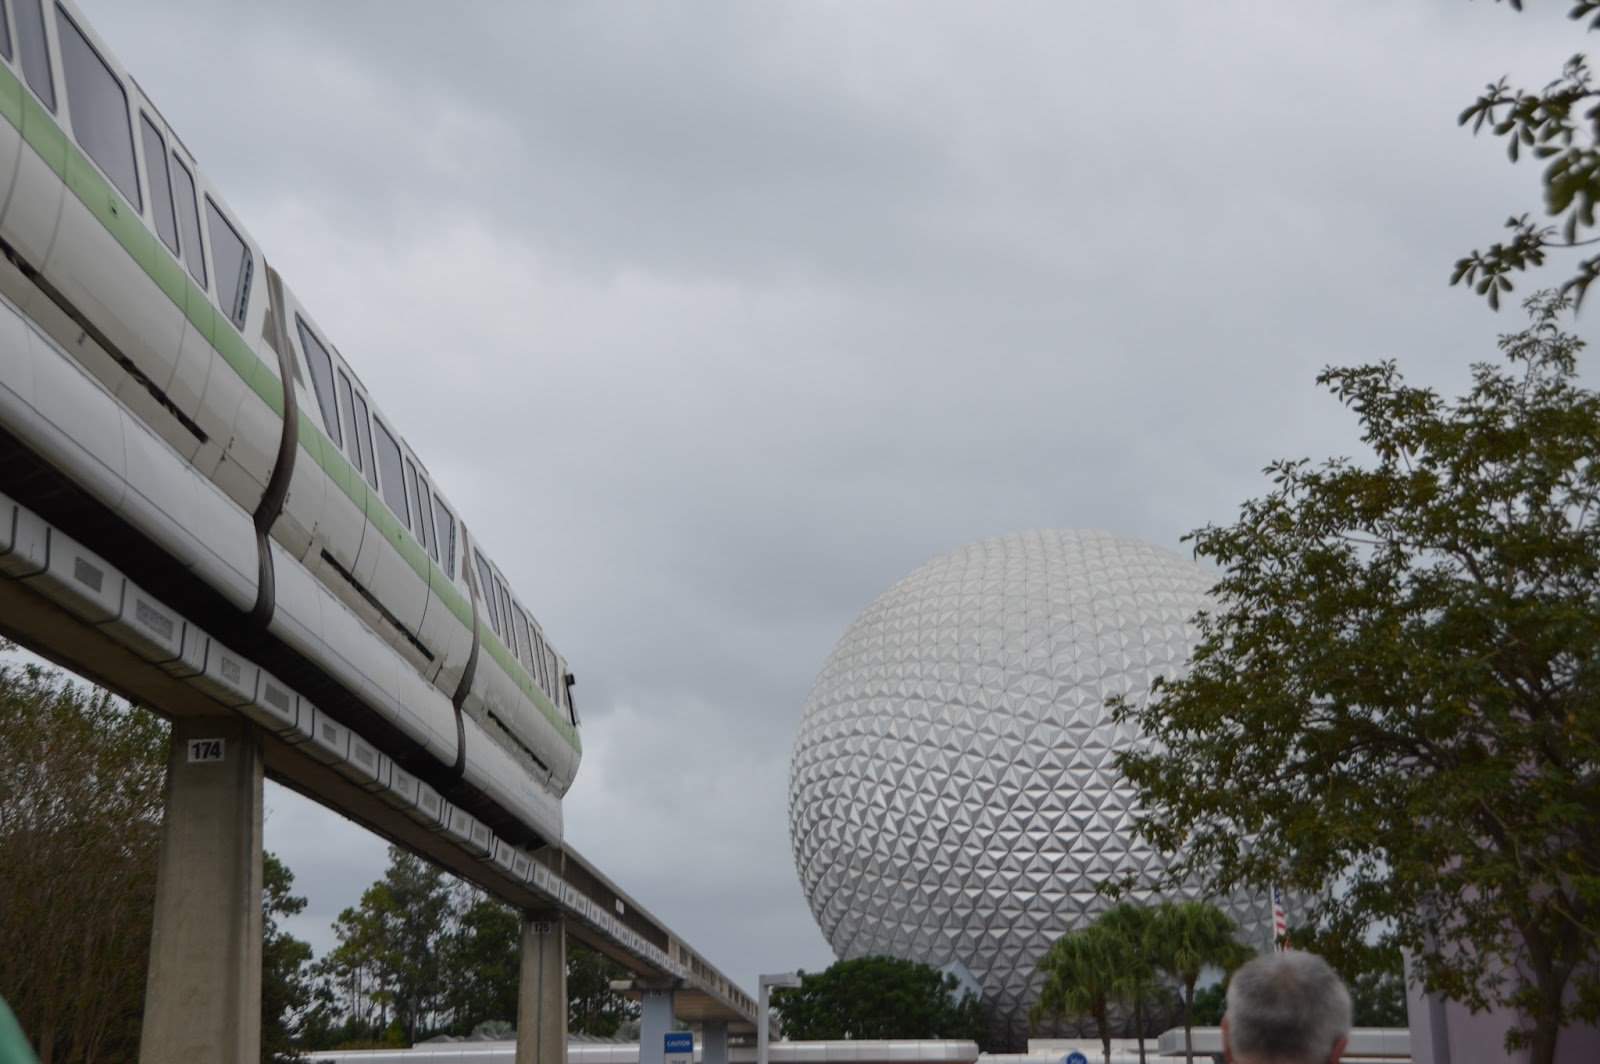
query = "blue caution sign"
x=679 y=1044
x=1075 y=1057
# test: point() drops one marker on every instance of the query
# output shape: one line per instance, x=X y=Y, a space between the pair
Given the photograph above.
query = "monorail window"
x=347 y=410
x=521 y=624
x=99 y=109
x=426 y=498
x=538 y=658
x=550 y=669
x=364 y=439
x=5 y=34
x=445 y=525
x=486 y=589
x=391 y=473
x=417 y=524
x=35 y=50
x=189 y=220
x=505 y=611
x=232 y=257
x=321 y=378
x=155 y=165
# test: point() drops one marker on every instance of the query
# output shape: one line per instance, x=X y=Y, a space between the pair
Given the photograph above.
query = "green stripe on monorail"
x=41 y=131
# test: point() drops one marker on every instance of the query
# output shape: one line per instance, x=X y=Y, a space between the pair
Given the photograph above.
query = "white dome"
x=952 y=794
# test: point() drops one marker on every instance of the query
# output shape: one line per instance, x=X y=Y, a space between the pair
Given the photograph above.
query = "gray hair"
x=1287 y=1008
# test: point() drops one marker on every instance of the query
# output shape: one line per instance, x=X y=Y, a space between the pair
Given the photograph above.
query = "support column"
x=203 y=998
x=655 y=1020
x=714 y=1042
x=542 y=990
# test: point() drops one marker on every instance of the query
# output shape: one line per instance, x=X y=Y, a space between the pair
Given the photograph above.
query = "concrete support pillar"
x=542 y=990
x=655 y=1020
x=714 y=1042
x=203 y=999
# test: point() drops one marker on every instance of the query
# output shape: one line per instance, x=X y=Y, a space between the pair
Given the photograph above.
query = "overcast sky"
x=715 y=320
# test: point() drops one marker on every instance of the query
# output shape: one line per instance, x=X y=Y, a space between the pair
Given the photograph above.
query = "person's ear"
x=1338 y=1049
x=1227 y=1048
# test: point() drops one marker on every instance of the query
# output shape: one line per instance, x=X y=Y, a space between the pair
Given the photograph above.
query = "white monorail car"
x=349 y=566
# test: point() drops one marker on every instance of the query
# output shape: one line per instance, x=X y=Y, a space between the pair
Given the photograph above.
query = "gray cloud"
x=716 y=320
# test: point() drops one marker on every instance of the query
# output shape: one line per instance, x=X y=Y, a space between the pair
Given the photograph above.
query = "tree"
x=481 y=962
x=1210 y=1002
x=285 y=963
x=1137 y=981
x=1398 y=688
x=1375 y=974
x=878 y=997
x=1186 y=938
x=81 y=777
x=386 y=965
x=412 y=901
x=592 y=1006
x=1082 y=977
x=1560 y=126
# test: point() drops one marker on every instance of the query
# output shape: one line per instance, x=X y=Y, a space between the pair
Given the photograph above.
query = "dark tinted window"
x=505 y=616
x=99 y=109
x=347 y=408
x=155 y=165
x=189 y=219
x=486 y=589
x=392 y=474
x=445 y=525
x=364 y=439
x=233 y=265
x=522 y=636
x=499 y=594
x=411 y=500
x=35 y=52
x=538 y=658
x=425 y=497
x=321 y=378
x=5 y=34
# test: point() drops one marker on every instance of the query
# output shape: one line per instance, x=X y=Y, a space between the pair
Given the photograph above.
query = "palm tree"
x=1136 y=982
x=1082 y=972
x=1186 y=938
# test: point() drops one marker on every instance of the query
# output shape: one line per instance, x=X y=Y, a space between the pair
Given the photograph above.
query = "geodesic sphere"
x=952 y=794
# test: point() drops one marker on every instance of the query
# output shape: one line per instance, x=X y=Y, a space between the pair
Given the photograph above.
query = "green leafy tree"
x=413 y=902
x=878 y=997
x=1557 y=125
x=1082 y=977
x=1138 y=980
x=1210 y=1002
x=1374 y=973
x=81 y=777
x=480 y=963
x=592 y=1006
x=385 y=968
x=1398 y=687
x=1186 y=938
x=285 y=965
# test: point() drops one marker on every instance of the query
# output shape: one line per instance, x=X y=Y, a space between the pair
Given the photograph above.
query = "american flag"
x=1280 y=922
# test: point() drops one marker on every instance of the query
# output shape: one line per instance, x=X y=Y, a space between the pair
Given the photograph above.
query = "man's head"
x=1286 y=1008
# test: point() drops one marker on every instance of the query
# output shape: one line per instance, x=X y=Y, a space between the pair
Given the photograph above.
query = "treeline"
x=1142 y=963
x=880 y=998
x=81 y=796
x=421 y=954
x=81 y=779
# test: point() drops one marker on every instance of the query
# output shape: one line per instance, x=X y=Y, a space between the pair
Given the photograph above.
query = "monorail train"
x=157 y=369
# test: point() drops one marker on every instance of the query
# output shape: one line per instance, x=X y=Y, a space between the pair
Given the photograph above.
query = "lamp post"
x=781 y=979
